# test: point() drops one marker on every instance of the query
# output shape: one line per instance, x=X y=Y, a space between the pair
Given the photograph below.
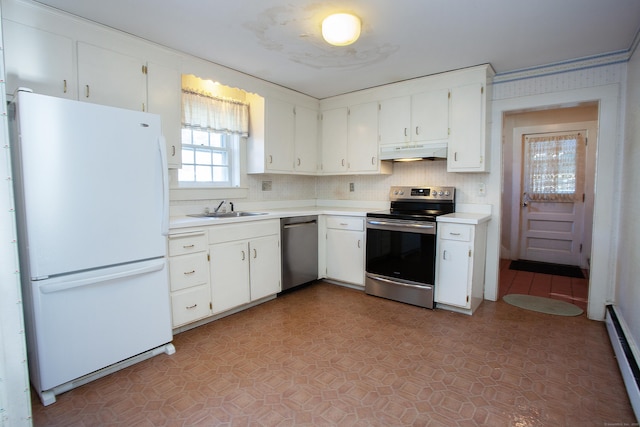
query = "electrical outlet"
x=266 y=185
x=352 y=187
x=482 y=189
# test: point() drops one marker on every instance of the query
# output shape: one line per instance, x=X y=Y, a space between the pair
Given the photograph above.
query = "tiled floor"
x=569 y=289
x=326 y=355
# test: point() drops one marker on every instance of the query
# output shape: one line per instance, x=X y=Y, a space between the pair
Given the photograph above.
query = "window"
x=554 y=167
x=209 y=158
x=211 y=131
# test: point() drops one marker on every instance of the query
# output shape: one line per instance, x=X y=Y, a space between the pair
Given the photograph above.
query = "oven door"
x=400 y=260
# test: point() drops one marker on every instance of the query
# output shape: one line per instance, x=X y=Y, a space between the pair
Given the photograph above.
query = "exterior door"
x=552 y=197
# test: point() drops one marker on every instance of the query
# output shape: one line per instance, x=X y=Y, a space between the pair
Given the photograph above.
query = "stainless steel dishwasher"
x=299 y=250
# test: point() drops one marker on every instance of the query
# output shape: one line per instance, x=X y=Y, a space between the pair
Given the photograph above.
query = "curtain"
x=215 y=114
x=554 y=167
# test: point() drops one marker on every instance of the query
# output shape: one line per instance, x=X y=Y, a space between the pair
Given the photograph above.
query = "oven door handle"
x=426 y=228
x=396 y=282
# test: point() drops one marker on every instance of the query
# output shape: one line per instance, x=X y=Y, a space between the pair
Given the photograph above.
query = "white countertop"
x=464 y=218
x=190 y=221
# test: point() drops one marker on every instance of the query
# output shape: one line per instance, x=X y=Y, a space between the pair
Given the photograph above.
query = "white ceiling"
x=279 y=40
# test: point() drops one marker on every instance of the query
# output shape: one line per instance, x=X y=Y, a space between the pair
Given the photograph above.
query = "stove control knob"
x=401 y=192
x=434 y=193
x=447 y=193
x=440 y=193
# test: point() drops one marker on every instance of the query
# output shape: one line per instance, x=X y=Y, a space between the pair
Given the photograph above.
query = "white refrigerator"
x=90 y=185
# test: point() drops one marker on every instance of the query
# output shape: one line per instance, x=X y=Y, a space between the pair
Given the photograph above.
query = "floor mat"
x=545 y=268
x=543 y=305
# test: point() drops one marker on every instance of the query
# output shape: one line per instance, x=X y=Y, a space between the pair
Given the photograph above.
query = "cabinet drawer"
x=243 y=230
x=345 y=223
x=461 y=232
x=190 y=305
x=186 y=243
x=188 y=270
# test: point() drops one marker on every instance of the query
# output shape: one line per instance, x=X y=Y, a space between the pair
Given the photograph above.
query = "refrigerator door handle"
x=66 y=285
x=165 y=185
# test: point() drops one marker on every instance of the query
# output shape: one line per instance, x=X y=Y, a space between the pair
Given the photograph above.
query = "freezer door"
x=88 y=321
x=89 y=184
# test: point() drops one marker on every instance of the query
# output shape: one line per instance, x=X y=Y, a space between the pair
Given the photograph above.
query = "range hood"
x=425 y=150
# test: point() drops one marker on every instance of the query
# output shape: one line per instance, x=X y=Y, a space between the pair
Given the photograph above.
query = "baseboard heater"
x=621 y=341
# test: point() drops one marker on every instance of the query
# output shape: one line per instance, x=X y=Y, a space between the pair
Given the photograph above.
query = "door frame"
x=516 y=190
x=602 y=277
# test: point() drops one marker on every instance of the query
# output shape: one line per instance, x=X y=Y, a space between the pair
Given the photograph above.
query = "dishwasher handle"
x=299 y=224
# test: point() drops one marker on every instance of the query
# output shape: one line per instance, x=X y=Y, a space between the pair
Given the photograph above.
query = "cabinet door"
x=279 y=138
x=38 y=60
x=110 y=78
x=467 y=149
x=452 y=284
x=265 y=266
x=229 y=275
x=345 y=256
x=394 y=120
x=334 y=140
x=362 y=151
x=164 y=94
x=306 y=140
x=430 y=116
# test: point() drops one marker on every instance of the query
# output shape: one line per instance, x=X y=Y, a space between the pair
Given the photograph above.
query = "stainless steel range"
x=401 y=244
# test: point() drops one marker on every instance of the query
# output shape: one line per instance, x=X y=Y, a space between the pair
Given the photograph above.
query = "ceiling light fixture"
x=341 y=29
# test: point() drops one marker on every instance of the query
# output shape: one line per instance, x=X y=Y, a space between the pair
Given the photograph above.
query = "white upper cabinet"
x=306 y=140
x=280 y=134
x=164 y=94
x=430 y=116
x=416 y=118
x=350 y=140
x=467 y=143
x=362 y=140
x=111 y=78
x=395 y=121
x=282 y=137
x=39 y=60
x=334 y=140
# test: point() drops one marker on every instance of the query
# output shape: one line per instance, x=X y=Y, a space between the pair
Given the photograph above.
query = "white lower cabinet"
x=245 y=263
x=345 y=249
x=460 y=266
x=189 y=277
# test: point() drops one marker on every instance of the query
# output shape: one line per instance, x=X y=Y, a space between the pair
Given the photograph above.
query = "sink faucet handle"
x=219 y=206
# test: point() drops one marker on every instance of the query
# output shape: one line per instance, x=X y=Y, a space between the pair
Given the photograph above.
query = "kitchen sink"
x=234 y=214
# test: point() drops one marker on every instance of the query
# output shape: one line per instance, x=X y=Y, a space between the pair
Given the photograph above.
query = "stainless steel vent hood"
x=426 y=150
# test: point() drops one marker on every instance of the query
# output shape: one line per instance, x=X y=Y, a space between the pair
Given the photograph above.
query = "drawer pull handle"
x=189 y=272
x=255 y=254
x=191 y=307
x=454 y=234
x=187 y=246
x=344 y=224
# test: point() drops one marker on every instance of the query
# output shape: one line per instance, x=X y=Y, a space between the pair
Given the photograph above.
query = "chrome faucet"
x=219 y=206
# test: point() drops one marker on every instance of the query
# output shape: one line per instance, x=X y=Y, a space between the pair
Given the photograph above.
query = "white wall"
x=627 y=295
x=15 y=405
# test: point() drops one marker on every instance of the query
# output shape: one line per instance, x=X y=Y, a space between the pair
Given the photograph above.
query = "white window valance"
x=554 y=167
x=203 y=111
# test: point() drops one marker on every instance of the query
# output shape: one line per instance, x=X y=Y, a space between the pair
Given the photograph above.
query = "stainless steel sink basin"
x=227 y=214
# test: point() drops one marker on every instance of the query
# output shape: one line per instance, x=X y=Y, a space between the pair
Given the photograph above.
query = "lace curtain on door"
x=554 y=167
